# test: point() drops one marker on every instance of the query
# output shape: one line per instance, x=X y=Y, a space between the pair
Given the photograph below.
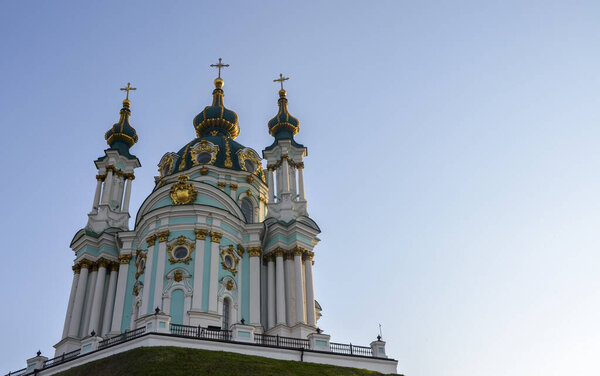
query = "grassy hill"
x=177 y=361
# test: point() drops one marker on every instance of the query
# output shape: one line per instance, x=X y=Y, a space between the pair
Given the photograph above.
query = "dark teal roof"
x=283 y=125
x=122 y=135
x=216 y=119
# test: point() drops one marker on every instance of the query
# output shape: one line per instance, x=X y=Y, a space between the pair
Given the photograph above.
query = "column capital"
x=150 y=240
x=103 y=263
x=200 y=233
x=129 y=176
x=215 y=237
x=298 y=251
x=278 y=252
x=94 y=266
x=163 y=236
x=308 y=255
x=76 y=269
x=254 y=251
x=100 y=177
x=288 y=255
x=124 y=259
x=114 y=266
x=300 y=165
x=85 y=264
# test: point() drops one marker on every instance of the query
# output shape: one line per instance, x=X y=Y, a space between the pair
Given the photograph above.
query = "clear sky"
x=453 y=160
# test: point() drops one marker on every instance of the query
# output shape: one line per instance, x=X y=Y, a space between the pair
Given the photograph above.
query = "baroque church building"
x=222 y=249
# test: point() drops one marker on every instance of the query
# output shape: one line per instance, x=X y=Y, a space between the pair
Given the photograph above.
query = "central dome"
x=216 y=119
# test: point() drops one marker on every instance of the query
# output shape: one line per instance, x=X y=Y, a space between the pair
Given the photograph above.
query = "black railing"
x=278 y=341
x=122 y=338
x=342 y=348
x=200 y=332
x=17 y=373
x=62 y=358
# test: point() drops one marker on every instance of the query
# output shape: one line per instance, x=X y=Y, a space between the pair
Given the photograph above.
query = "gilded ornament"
x=203 y=147
x=94 y=266
x=221 y=184
x=100 y=177
x=140 y=263
x=298 y=251
x=103 y=263
x=215 y=237
x=278 y=252
x=229 y=285
x=201 y=233
x=163 y=236
x=254 y=251
x=178 y=276
x=166 y=166
x=181 y=241
x=228 y=252
x=250 y=179
x=183 y=193
x=182 y=163
x=150 y=240
x=228 y=162
x=76 y=269
x=124 y=259
x=249 y=192
x=114 y=266
x=288 y=255
x=136 y=290
x=233 y=186
x=214 y=133
x=204 y=170
x=240 y=250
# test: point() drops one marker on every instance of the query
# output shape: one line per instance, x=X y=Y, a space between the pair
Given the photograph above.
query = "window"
x=180 y=253
x=249 y=165
x=247 y=209
x=226 y=305
x=204 y=157
x=229 y=261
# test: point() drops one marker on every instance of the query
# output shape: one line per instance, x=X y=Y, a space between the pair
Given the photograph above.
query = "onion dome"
x=122 y=135
x=216 y=119
x=283 y=125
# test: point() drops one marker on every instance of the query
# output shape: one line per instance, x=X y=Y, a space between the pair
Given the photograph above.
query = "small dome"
x=122 y=134
x=283 y=125
x=226 y=157
x=216 y=119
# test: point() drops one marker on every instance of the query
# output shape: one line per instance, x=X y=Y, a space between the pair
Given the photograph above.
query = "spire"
x=216 y=119
x=283 y=125
x=122 y=135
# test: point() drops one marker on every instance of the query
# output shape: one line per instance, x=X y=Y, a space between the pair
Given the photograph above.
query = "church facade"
x=219 y=240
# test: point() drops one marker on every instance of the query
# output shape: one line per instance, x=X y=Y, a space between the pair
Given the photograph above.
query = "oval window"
x=180 y=252
x=204 y=157
x=249 y=165
x=229 y=261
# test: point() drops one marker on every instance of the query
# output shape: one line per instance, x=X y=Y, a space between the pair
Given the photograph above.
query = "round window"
x=204 y=157
x=229 y=261
x=180 y=252
x=249 y=165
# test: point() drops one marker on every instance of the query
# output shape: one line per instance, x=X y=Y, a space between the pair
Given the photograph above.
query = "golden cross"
x=220 y=65
x=281 y=79
x=127 y=90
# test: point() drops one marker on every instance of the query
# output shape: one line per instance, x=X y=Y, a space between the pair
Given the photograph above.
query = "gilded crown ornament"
x=183 y=193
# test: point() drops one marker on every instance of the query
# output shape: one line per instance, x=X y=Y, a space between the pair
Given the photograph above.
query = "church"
x=220 y=255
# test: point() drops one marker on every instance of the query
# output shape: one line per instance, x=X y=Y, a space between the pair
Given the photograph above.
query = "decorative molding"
x=229 y=252
x=94 y=267
x=181 y=241
x=278 y=252
x=76 y=269
x=233 y=186
x=151 y=240
x=240 y=250
x=85 y=264
x=183 y=193
x=254 y=251
x=201 y=233
x=288 y=255
x=221 y=184
x=178 y=276
x=140 y=263
x=163 y=236
x=215 y=237
x=202 y=147
x=203 y=170
x=228 y=162
x=124 y=259
x=103 y=263
x=249 y=179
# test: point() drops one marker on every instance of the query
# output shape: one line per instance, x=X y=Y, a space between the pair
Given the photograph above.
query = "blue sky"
x=453 y=163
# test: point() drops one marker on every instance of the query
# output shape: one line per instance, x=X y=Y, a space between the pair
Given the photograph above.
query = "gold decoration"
x=103 y=263
x=254 y=251
x=201 y=233
x=288 y=255
x=182 y=163
x=249 y=179
x=204 y=170
x=76 y=269
x=233 y=186
x=204 y=147
x=181 y=241
x=114 y=266
x=249 y=192
x=214 y=133
x=178 y=276
x=308 y=255
x=150 y=240
x=94 y=266
x=183 y=193
x=215 y=237
x=140 y=263
x=136 y=289
x=278 y=252
x=165 y=167
x=124 y=259
x=229 y=252
x=221 y=184
x=163 y=236
x=300 y=165
x=240 y=250
x=298 y=251
x=229 y=285
x=228 y=162
x=100 y=177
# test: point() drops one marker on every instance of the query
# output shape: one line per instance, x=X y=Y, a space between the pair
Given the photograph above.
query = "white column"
x=98 y=293
x=301 y=181
x=117 y=316
x=215 y=238
x=198 y=268
x=299 y=286
x=79 y=296
x=151 y=240
x=76 y=271
x=254 y=253
x=280 y=287
x=89 y=300
x=271 y=184
x=288 y=262
x=285 y=175
x=270 y=291
x=98 y=190
x=125 y=207
x=160 y=269
x=293 y=182
x=107 y=186
x=110 y=298
x=310 y=292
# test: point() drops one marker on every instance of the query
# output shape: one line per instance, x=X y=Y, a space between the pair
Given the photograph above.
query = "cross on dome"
x=219 y=66
x=127 y=89
x=281 y=79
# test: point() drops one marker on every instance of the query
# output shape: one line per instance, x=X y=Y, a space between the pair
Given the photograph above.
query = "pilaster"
x=117 y=316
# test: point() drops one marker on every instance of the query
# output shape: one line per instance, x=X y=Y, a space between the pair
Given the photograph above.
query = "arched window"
x=247 y=209
x=226 y=304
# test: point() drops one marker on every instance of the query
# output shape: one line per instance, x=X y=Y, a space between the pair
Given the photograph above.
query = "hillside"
x=176 y=361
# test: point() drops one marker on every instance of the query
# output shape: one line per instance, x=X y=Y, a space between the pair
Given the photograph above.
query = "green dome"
x=216 y=119
x=122 y=135
x=283 y=125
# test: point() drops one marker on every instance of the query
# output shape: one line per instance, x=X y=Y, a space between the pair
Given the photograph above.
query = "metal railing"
x=350 y=349
x=200 y=332
x=62 y=358
x=17 y=373
x=278 y=341
x=122 y=338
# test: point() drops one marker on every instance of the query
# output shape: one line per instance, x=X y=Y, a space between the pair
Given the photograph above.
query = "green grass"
x=176 y=361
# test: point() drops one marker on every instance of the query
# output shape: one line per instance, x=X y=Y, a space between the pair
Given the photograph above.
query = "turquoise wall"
x=176 y=309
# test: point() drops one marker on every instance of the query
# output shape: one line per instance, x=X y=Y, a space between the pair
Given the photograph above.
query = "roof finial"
x=127 y=89
x=219 y=66
x=280 y=80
